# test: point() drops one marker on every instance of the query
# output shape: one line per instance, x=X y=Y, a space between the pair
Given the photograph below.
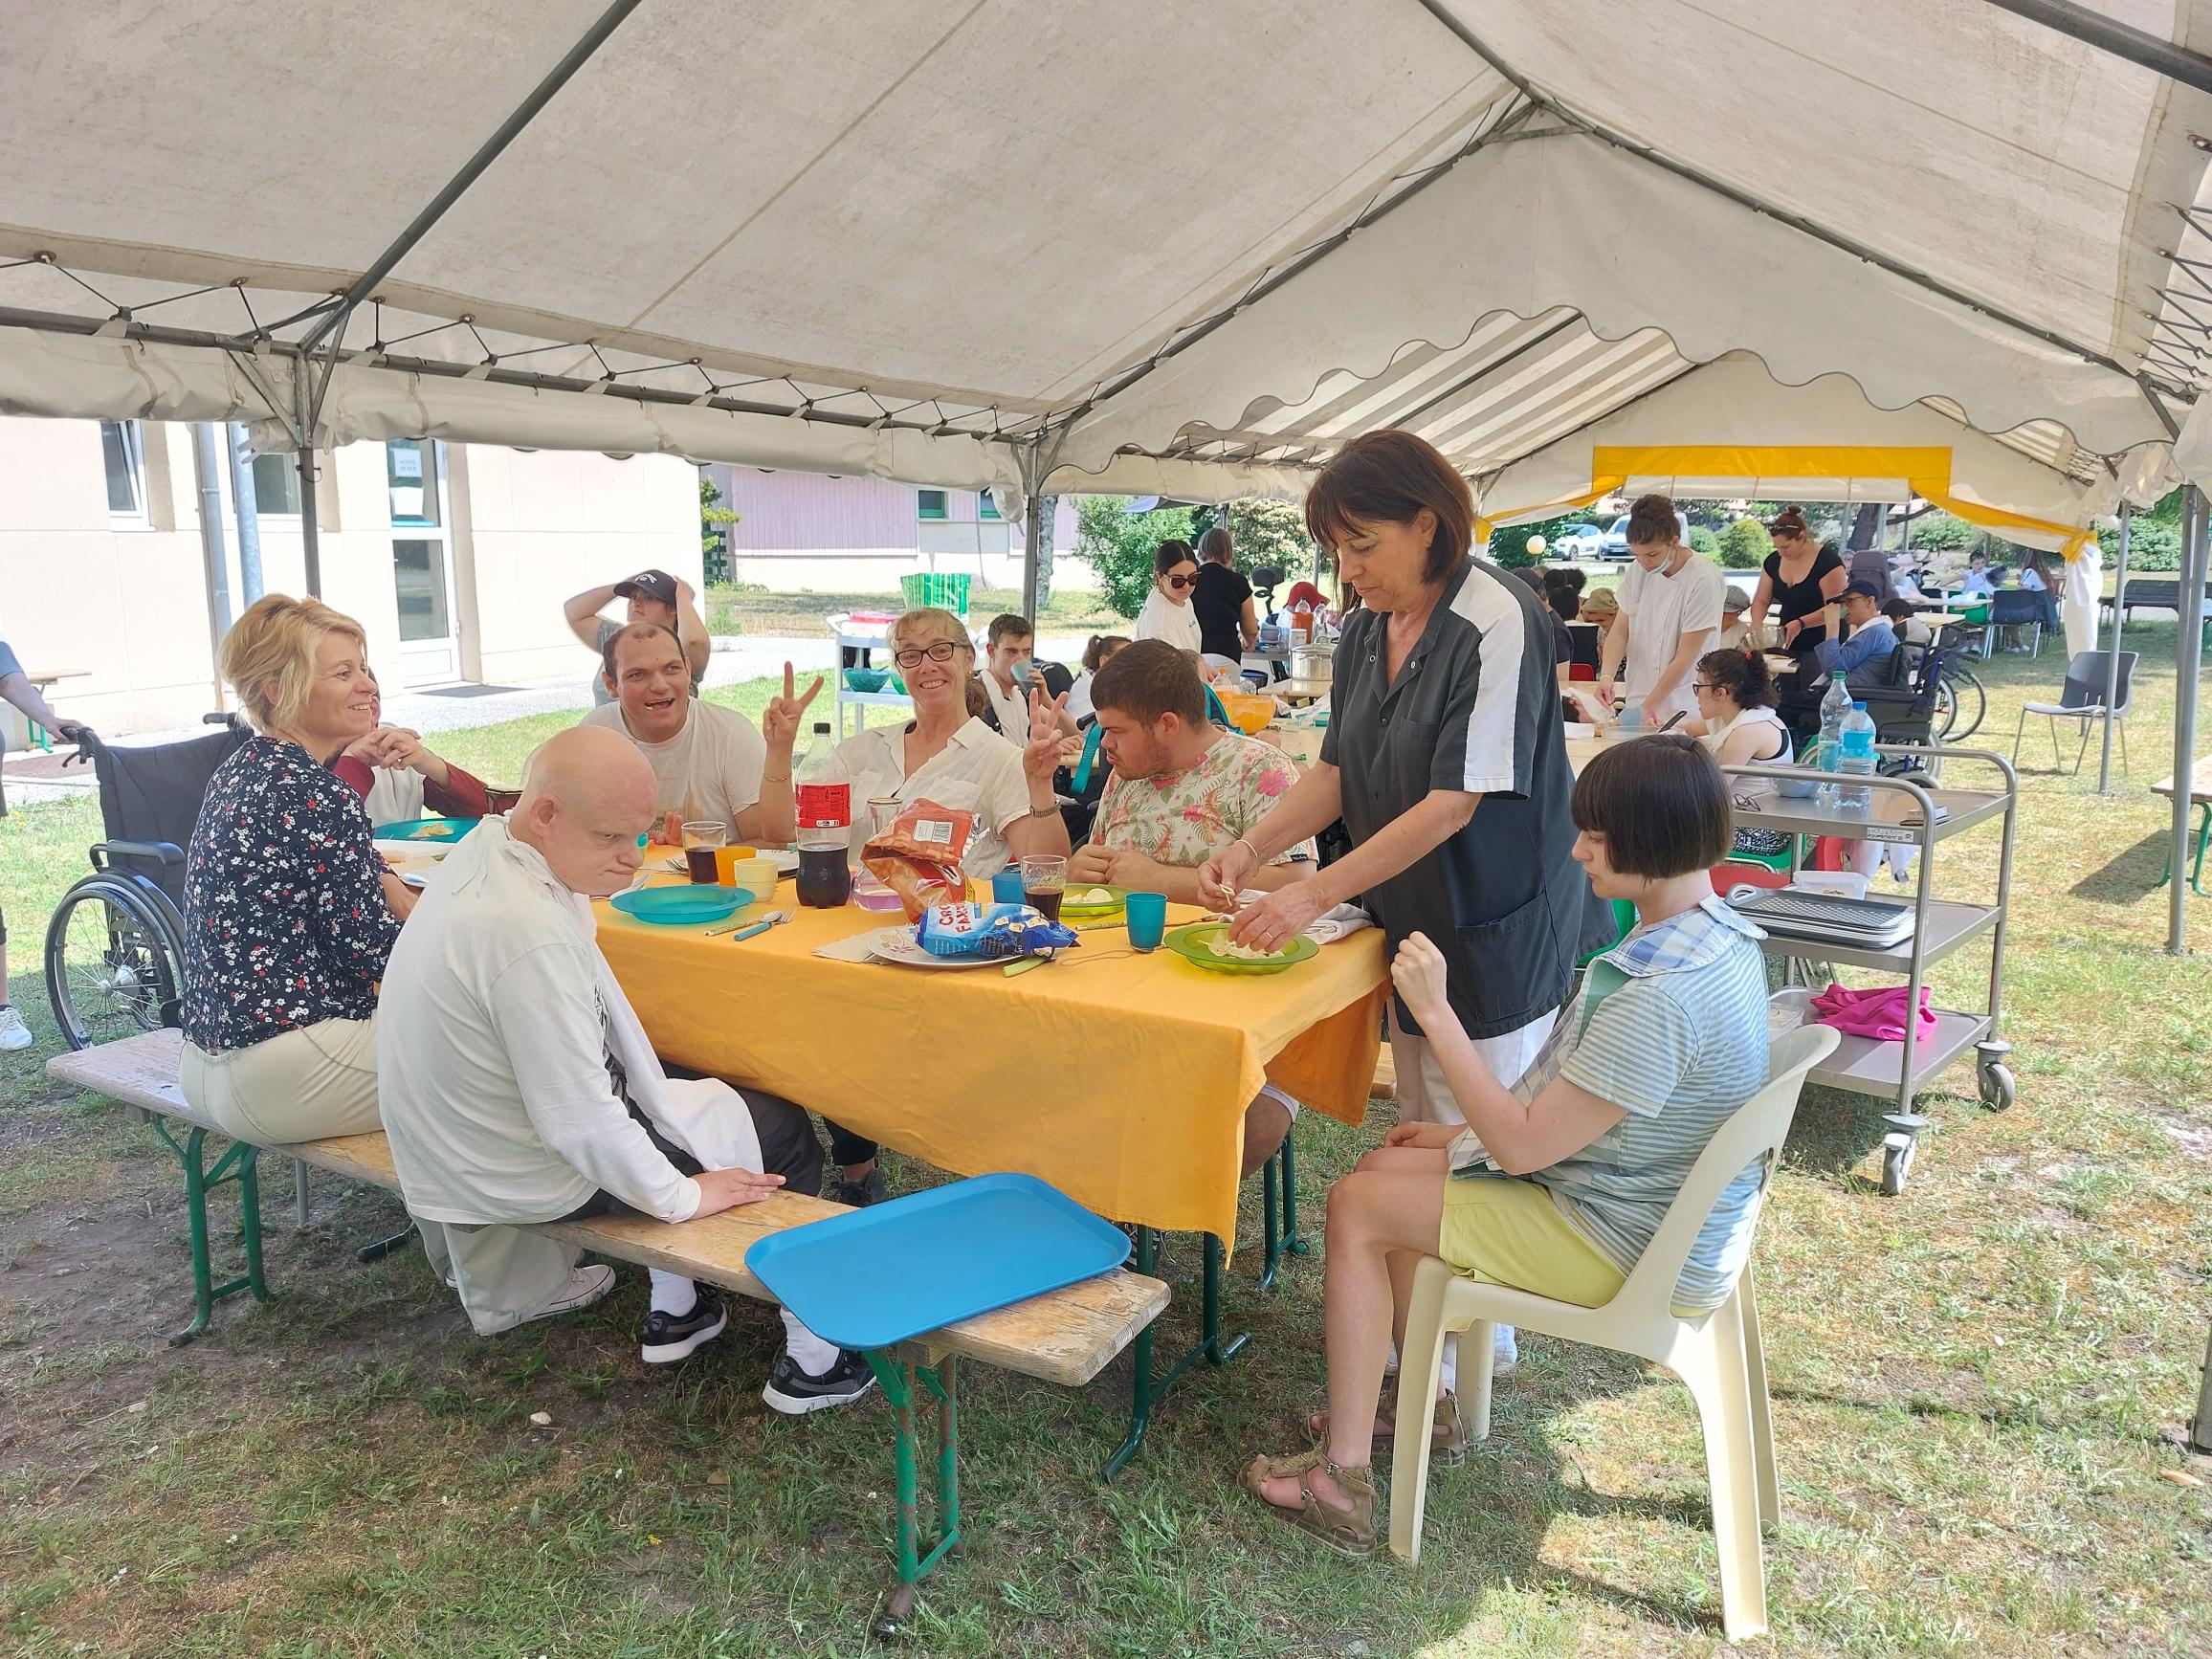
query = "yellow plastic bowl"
x=1249 y=714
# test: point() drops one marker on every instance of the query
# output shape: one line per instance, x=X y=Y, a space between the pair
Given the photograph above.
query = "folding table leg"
x=1146 y=1390
x=942 y=1382
x=237 y=1164
x=1279 y=1203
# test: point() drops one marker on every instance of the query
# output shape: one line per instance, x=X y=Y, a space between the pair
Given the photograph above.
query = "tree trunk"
x=1046 y=507
x=1866 y=526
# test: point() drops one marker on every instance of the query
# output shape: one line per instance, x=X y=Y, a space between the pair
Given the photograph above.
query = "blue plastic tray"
x=445 y=831
x=876 y=1277
x=681 y=906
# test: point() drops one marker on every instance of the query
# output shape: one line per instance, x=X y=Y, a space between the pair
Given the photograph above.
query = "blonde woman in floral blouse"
x=1182 y=788
x=289 y=912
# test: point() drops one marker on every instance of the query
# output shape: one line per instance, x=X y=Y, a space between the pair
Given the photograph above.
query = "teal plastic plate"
x=430 y=831
x=681 y=906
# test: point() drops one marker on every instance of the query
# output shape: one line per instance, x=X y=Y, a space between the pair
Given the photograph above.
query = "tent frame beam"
x=2136 y=46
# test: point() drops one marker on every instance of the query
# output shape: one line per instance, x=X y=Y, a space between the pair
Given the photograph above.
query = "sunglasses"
x=1182 y=582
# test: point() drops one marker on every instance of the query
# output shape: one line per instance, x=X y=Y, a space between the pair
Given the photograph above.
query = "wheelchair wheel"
x=1960 y=703
x=110 y=971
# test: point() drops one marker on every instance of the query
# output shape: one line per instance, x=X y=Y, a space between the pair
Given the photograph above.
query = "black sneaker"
x=794 y=1393
x=671 y=1337
x=860 y=1194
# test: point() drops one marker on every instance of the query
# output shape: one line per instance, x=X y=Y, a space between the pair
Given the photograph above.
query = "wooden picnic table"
x=46 y=681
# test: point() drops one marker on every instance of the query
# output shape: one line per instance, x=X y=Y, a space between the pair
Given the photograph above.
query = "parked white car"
x=1614 y=545
x=1578 y=541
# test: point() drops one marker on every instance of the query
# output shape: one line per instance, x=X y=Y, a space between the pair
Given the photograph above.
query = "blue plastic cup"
x=1147 y=919
x=1007 y=887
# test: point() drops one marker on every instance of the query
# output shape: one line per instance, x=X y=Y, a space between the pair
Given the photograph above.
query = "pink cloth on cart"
x=1876 y=1014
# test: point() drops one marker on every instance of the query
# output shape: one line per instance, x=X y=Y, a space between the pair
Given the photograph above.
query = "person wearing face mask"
x=713 y=764
x=1168 y=613
x=289 y=912
x=520 y=1087
x=1671 y=608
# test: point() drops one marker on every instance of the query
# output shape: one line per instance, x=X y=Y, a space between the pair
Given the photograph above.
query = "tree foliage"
x=1509 y=544
x=715 y=519
x=1262 y=533
x=1704 y=540
x=1744 y=546
x=1120 y=544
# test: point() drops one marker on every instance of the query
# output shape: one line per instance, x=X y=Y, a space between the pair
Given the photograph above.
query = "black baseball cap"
x=1865 y=590
x=655 y=585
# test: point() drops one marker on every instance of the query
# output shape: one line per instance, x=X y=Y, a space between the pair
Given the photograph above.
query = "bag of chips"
x=919 y=856
x=995 y=932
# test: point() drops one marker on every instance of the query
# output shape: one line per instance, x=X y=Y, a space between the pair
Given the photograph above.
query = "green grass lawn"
x=1978 y=1387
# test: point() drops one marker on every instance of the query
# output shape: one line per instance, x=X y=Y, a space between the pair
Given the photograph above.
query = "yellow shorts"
x=1508 y=1232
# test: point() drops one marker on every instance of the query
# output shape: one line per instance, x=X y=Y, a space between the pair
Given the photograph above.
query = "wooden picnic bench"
x=1066 y=1337
x=2200 y=797
x=2150 y=593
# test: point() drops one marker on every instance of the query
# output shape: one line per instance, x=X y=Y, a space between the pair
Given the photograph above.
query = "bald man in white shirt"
x=516 y=1085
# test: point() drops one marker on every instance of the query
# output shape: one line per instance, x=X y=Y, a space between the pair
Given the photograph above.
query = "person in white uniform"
x=709 y=762
x=1671 y=608
x=518 y=1086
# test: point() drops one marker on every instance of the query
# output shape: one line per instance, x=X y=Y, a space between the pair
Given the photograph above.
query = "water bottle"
x=1833 y=708
x=1858 y=758
x=822 y=790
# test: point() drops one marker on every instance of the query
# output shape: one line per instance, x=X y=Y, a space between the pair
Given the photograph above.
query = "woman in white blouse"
x=1167 y=612
x=947 y=755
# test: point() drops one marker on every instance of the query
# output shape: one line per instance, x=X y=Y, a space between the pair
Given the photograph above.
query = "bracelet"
x=1246 y=842
x=775 y=777
x=1051 y=811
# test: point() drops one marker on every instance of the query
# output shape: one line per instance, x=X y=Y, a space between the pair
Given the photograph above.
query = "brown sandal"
x=1348 y=1532
x=1446 y=1453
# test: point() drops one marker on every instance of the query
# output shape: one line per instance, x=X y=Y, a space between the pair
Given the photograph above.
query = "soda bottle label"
x=825 y=806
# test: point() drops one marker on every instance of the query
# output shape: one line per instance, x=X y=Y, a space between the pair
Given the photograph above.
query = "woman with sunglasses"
x=1167 y=612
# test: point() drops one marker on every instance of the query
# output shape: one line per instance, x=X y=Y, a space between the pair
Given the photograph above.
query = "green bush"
x=1265 y=533
x=2152 y=546
x=1744 y=546
x=1938 y=532
x=1704 y=540
x=1120 y=544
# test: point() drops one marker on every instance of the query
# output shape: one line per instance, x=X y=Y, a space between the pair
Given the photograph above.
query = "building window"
x=121 y=448
x=411 y=479
x=276 y=484
x=930 y=503
x=986 y=509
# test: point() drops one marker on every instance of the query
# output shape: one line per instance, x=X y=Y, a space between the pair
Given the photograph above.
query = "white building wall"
x=126 y=601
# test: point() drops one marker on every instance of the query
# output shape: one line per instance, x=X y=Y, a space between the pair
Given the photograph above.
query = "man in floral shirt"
x=1182 y=789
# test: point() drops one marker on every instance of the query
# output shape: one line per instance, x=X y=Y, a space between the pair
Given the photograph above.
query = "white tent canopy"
x=983 y=219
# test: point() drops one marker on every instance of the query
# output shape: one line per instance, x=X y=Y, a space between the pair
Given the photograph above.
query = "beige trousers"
x=1424 y=1096
x=295 y=1086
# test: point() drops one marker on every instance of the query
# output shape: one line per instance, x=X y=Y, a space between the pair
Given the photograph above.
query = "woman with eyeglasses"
x=947 y=755
x=1738 y=722
x=1168 y=613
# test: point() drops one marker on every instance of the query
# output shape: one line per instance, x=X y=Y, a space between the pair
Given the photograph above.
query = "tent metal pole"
x=2189 y=665
x=245 y=504
x=214 y=557
x=310 y=532
x=2200 y=1427
x=2135 y=45
x=2113 y=656
x=381 y=267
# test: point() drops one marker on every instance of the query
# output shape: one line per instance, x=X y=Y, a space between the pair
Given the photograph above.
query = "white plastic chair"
x=1717 y=1354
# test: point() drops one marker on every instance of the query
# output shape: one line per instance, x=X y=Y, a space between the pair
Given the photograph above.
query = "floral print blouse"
x=1182 y=818
x=285 y=919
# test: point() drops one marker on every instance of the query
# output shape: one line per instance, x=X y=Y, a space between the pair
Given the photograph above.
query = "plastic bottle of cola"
x=822 y=789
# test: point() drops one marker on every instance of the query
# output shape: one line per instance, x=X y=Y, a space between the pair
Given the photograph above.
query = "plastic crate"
x=947 y=591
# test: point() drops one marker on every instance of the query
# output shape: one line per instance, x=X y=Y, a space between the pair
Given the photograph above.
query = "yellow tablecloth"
x=1121 y=1079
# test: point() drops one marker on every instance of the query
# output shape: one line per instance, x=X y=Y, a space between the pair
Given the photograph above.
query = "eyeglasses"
x=1700 y=686
x=1182 y=582
x=911 y=657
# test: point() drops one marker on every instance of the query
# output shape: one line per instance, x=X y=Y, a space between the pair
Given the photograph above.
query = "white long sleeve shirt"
x=492 y=1049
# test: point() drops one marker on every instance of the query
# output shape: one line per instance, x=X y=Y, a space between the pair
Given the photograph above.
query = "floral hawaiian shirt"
x=1182 y=818
x=285 y=919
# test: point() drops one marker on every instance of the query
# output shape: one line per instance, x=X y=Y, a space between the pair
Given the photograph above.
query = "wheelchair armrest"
x=161 y=851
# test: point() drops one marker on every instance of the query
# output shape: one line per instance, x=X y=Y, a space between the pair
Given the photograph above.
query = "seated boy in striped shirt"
x=1558 y=1181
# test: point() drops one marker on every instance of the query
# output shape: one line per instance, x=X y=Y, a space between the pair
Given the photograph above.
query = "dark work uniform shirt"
x=1476 y=708
x=1219 y=600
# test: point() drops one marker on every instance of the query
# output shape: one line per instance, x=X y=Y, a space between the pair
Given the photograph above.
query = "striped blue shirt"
x=1671 y=1027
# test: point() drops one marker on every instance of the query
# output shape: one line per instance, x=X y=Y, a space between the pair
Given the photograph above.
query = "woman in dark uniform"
x=1802 y=578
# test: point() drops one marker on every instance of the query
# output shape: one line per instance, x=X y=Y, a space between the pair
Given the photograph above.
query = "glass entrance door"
x=422 y=565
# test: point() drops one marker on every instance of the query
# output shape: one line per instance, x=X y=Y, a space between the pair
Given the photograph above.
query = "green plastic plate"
x=1194 y=945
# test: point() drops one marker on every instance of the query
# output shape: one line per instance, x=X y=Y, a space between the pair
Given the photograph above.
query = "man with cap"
x=1865 y=658
x=654 y=596
x=1734 y=632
